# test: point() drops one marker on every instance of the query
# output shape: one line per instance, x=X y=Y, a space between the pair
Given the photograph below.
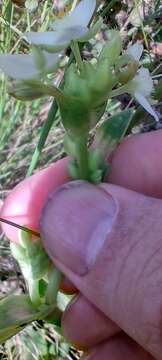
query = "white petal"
x=142 y=83
x=72 y=33
x=145 y=81
x=135 y=51
x=56 y=41
x=45 y=40
x=23 y=67
x=20 y=67
x=146 y=105
x=51 y=62
x=79 y=17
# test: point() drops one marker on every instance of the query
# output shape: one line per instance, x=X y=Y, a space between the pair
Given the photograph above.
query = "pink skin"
x=136 y=308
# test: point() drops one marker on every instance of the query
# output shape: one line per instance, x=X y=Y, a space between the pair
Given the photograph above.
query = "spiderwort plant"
x=82 y=101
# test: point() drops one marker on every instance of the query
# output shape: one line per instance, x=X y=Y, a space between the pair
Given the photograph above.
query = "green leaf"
x=17 y=311
x=112 y=131
x=38 y=345
x=36 y=260
x=34 y=264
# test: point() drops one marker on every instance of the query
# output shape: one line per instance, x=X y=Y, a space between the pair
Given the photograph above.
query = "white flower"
x=135 y=51
x=141 y=86
x=27 y=67
x=73 y=26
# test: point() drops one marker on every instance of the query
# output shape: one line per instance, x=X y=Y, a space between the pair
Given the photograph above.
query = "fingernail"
x=75 y=222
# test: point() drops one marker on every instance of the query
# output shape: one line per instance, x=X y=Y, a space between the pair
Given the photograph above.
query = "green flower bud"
x=76 y=85
x=126 y=68
x=111 y=51
x=75 y=116
x=101 y=82
x=75 y=109
x=32 y=89
x=22 y=91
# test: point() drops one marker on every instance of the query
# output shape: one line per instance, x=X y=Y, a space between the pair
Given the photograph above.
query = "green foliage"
x=16 y=311
x=87 y=89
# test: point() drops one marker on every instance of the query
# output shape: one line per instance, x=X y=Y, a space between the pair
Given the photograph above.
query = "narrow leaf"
x=16 y=312
x=112 y=131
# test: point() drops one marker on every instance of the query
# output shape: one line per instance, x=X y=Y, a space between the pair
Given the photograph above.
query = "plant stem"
x=33 y=286
x=46 y=128
x=76 y=51
x=43 y=136
x=82 y=158
x=55 y=278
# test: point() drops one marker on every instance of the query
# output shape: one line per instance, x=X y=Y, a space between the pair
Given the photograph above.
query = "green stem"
x=76 y=51
x=46 y=128
x=43 y=136
x=55 y=278
x=33 y=286
x=28 y=21
x=82 y=158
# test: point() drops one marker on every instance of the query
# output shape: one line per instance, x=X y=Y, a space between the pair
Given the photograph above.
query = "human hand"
x=118 y=269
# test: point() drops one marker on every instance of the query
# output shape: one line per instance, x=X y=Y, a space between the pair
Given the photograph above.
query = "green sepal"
x=22 y=91
x=27 y=90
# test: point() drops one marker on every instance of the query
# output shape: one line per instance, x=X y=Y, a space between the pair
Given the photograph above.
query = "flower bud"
x=111 y=51
x=126 y=68
x=25 y=92
x=101 y=82
x=75 y=116
x=76 y=85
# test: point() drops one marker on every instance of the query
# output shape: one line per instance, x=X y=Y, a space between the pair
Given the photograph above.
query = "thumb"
x=108 y=241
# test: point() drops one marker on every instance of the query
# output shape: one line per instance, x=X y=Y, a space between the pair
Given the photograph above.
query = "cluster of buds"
x=87 y=86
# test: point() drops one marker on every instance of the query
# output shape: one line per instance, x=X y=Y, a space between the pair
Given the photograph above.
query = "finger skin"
x=115 y=261
x=119 y=347
x=141 y=153
x=93 y=327
x=24 y=204
x=136 y=165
